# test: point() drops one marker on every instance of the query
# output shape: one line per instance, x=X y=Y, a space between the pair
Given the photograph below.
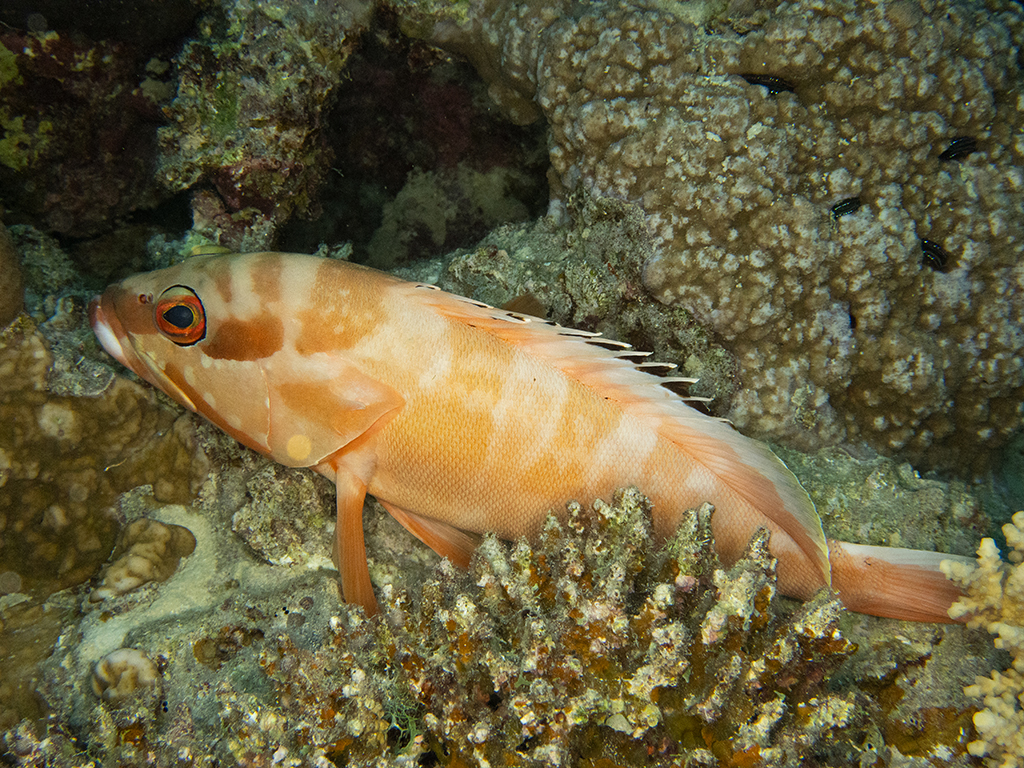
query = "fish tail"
x=895 y=583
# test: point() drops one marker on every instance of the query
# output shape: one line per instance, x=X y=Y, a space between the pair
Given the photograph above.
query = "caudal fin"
x=895 y=583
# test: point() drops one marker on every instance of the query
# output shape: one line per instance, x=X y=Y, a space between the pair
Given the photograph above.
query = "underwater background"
x=815 y=208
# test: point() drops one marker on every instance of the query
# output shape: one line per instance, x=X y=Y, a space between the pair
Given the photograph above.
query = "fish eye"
x=180 y=316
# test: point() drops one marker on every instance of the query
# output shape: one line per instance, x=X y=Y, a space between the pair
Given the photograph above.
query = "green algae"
x=9 y=74
x=22 y=144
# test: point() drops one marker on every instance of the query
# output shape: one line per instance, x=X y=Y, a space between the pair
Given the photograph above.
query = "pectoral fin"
x=355 y=573
x=447 y=540
x=319 y=407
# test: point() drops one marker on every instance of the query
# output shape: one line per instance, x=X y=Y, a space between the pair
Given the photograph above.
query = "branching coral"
x=587 y=644
x=595 y=646
x=995 y=601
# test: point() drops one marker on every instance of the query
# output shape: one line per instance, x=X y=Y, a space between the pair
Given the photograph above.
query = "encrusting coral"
x=833 y=188
x=995 y=601
x=247 y=115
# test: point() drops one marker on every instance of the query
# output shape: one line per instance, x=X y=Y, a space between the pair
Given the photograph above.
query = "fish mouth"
x=108 y=331
x=115 y=341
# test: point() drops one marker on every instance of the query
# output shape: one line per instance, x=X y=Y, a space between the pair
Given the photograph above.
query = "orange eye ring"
x=180 y=316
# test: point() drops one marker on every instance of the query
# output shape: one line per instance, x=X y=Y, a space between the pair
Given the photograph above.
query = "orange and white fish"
x=460 y=417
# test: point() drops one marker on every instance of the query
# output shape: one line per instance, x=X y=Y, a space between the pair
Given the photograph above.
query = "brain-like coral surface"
x=835 y=188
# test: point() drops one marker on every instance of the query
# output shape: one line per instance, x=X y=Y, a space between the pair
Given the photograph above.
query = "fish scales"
x=462 y=418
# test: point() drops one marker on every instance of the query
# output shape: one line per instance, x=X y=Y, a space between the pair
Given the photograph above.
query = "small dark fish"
x=773 y=84
x=843 y=207
x=934 y=255
x=960 y=147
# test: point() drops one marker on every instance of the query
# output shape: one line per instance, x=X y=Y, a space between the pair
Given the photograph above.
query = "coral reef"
x=594 y=647
x=657 y=678
x=12 y=300
x=434 y=209
x=64 y=459
x=882 y=502
x=247 y=117
x=147 y=550
x=56 y=300
x=28 y=631
x=287 y=522
x=48 y=271
x=425 y=164
x=77 y=130
x=995 y=601
x=258 y=119
x=834 y=190
x=72 y=438
x=587 y=276
x=832 y=240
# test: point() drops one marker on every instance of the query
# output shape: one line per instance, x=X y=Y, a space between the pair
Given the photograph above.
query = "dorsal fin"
x=746 y=466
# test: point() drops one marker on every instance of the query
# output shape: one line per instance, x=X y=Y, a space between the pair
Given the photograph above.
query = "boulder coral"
x=834 y=189
x=64 y=460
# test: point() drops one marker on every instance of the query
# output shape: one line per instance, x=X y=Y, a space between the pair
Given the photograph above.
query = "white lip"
x=142 y=364
x=106 y=336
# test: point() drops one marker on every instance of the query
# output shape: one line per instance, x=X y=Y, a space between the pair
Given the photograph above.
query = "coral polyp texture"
x=147 y=550
x=65 y=459
x=835 y=189
x=995 y=601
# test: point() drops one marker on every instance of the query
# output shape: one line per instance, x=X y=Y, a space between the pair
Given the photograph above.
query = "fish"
x=463 y=419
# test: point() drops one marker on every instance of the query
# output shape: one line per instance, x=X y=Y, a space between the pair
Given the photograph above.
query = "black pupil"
x=180 y=316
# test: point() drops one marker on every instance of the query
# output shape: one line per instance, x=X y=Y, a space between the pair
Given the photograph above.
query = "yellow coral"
x=995 y=600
